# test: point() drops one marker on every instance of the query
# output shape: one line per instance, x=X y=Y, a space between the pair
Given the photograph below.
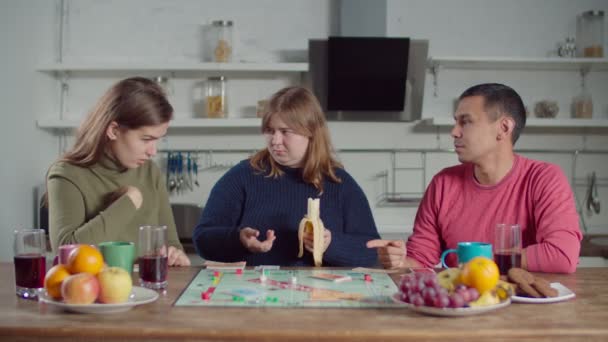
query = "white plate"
x=139 y=295
x=450 y=311
x=563 y=293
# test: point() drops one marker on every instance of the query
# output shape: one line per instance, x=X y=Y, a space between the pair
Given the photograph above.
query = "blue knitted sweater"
x=244 y=197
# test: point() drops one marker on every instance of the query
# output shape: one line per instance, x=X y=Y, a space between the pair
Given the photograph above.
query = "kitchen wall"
x=273 y=30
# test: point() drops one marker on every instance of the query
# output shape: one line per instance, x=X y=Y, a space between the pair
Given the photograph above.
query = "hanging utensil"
x=195 y=167
x=595 y=199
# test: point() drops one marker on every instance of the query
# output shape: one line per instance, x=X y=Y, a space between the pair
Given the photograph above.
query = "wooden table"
x=584 y=318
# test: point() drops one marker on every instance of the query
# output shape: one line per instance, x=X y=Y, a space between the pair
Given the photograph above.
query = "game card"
x=331 y=277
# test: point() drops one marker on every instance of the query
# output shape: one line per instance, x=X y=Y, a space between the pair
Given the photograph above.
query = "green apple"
x=115 y=285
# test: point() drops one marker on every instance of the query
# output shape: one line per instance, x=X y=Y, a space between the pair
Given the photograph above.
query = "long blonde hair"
x=300 y=110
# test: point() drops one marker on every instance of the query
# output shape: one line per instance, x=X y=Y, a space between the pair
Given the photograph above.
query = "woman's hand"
x=132 y=192
x=309 y=240
x=177 y=257
x=249 y=239
x=135 y=196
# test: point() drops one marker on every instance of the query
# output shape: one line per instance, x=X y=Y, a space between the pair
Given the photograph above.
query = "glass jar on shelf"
x=215 y=97
x=582 y=105
x=163 y=82
x=590 y=32
x=221 y=41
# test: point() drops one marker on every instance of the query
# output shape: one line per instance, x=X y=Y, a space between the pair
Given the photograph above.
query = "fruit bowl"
x=139 y=296
x=449 y=312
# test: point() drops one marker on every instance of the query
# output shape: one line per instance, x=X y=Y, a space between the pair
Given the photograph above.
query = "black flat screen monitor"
x=367 y=73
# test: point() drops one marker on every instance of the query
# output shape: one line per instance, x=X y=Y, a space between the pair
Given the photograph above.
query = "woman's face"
x=133 y=147
x=285 y=145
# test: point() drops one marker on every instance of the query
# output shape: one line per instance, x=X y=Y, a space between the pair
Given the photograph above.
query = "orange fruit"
x=54 y=278
x=481 y=273
x=85 y=259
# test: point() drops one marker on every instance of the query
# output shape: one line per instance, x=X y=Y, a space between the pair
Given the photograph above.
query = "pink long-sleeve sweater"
x=534 y=194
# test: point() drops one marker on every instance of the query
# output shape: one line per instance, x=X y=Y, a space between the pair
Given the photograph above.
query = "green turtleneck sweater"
x=78 y=212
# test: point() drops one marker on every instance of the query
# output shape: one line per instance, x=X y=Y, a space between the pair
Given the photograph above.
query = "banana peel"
x=486 y=299
x=504 y=290
x=311 y=223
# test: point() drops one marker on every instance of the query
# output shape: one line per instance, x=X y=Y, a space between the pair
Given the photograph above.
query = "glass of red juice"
x=30 y=262
x=152 y=257
x=507 y=246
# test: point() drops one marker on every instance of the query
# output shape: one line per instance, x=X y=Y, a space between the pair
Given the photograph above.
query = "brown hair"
x=132 y=103
x=301 y=111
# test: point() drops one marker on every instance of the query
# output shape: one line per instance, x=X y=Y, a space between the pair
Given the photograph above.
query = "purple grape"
x=441 y=301
x=430 y=281
x=465 y=294
x=440 y=290
x=417 y=300
x=473 y=294
x=429 y=296
x=456 y=300
x=460 y=288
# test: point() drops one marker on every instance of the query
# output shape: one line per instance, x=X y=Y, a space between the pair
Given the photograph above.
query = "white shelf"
x=173 y=124
x=533 y=122
x=133 y=66
x=518 y=63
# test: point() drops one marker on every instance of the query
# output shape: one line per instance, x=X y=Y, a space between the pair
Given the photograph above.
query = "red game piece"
x=239 y=271
x=216 y=273
x=367 y=277
x=206 y=295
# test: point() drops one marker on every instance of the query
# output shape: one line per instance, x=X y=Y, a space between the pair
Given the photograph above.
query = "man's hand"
x=249 y=239
x=391 y=253
x=309 y=242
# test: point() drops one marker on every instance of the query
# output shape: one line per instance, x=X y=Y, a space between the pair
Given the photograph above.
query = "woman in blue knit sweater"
x=254 y=210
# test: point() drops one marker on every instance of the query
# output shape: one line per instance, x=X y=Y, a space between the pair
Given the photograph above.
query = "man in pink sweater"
x=492 y=185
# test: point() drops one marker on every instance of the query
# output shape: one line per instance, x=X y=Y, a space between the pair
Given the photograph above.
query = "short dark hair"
x=504 y=100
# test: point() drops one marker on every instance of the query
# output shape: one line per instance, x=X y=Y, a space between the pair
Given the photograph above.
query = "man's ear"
x=506 y=127
x=112 y=131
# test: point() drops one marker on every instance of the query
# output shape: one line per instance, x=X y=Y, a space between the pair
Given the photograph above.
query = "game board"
x=288 y=288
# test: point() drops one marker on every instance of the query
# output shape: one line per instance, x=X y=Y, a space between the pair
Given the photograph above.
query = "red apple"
x=115 y=285
x=80 y=288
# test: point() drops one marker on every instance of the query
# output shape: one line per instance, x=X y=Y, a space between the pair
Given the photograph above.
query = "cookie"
x=544 y=287
x=524 y=280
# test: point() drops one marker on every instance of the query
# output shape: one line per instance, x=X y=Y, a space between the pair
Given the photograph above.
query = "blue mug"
x=467 y=251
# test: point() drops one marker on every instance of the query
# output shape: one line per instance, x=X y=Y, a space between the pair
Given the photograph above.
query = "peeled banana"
x=311 y=223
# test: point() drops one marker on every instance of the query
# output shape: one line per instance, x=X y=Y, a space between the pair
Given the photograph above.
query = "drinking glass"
x=152 y=253
x=507 y=246
x=30 y=262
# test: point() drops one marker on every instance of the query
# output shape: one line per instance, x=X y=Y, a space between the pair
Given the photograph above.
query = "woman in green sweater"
x=107 y=186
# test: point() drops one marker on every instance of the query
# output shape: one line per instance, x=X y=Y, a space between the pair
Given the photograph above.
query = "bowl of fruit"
x=472 y=289
x=86 y=285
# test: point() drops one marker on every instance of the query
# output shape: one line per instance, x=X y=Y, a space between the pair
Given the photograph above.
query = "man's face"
x=474 y=133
